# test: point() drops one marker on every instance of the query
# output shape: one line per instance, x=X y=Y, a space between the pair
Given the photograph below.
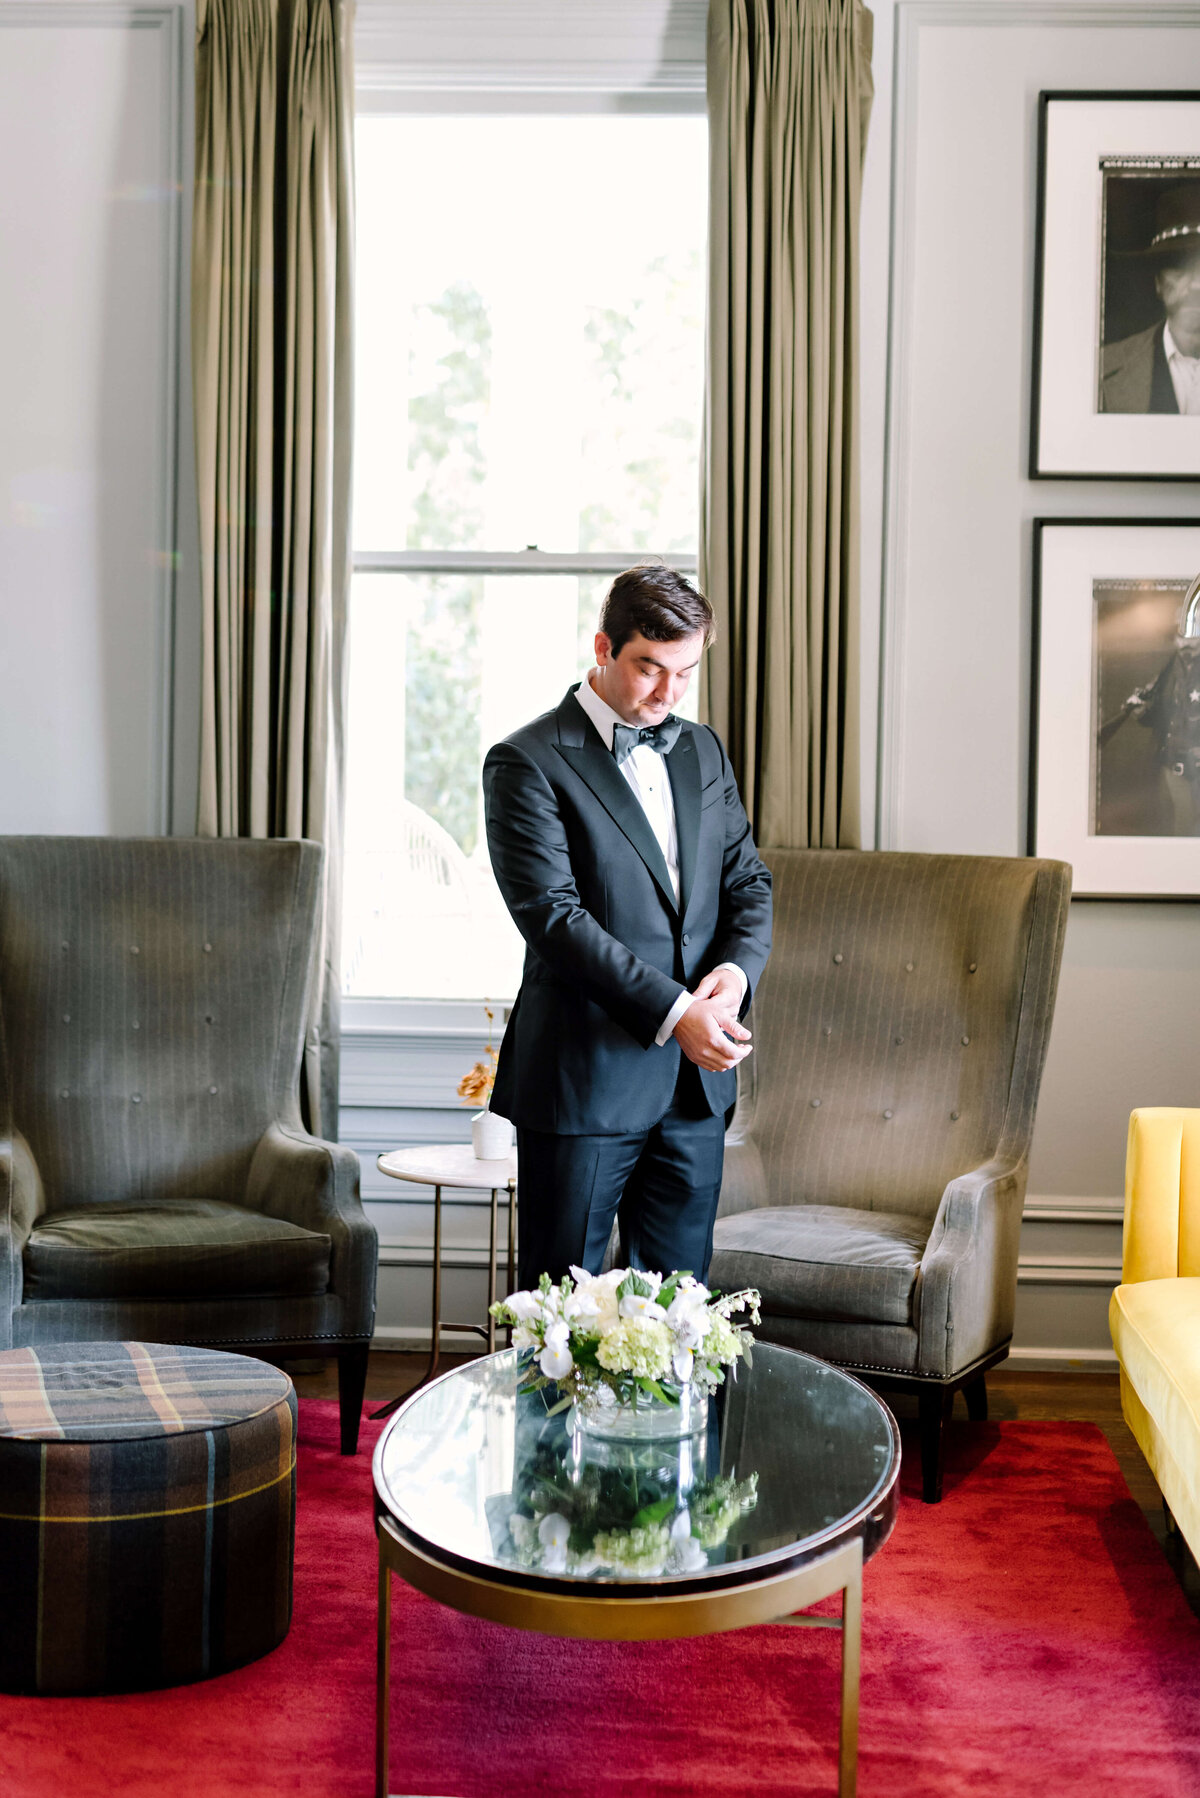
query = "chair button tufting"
x=134 y=950
x=64 y=945
x=908 y=967
x=888 y=1114
x=135 y=1025
x=839 y=958
x=965 y=1041
x=137 y=1098
x=972 y=967
x=815 y=1103
x=954 y=1117
x=208 y=1017
x=212 y=1089
x=899 y=1040
x=66 y=1017
x=828 y=1031
x=208 y=948
x=64 y=1092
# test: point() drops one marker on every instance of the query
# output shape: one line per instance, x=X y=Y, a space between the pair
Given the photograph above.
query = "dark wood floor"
x=1066 y=1397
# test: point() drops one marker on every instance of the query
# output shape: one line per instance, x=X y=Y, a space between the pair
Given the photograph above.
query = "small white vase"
x=491 y=1136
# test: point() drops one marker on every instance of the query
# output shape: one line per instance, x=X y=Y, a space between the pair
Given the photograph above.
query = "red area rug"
x=1024 y=1637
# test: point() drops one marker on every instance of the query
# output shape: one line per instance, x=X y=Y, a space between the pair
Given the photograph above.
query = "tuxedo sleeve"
x=531 y=860
x=743 y=934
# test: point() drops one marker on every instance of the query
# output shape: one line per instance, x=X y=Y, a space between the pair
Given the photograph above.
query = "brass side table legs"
x=486 y=1331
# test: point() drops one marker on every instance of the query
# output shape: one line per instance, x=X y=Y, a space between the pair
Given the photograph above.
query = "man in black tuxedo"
x=623 y=853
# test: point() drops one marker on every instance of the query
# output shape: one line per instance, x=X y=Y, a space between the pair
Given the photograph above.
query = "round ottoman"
x=147 y=1514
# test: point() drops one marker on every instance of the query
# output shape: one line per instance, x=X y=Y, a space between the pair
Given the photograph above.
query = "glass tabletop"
x=795 y=1455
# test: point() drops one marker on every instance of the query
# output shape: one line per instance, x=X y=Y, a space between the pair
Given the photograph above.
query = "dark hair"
x=657 y=601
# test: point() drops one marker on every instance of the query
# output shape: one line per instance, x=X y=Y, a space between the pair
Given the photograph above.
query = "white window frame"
x=514 y=56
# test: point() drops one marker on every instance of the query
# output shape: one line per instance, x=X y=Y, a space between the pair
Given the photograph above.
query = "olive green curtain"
x=272 y=272
x=789 y=94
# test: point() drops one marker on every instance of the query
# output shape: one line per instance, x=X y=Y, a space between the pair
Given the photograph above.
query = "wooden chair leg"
x=975 y=1393
x=352 y=1383
x=934 y=1405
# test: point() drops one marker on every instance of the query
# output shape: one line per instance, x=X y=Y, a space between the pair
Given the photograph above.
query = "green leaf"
x=658 y=1390
x=560 y=1406
x=656 y=1513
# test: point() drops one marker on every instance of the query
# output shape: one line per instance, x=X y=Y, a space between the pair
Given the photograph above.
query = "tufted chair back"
x=152 y=1004
x=900 y=1027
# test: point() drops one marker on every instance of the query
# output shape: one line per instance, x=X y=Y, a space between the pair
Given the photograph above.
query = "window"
x=530 y=380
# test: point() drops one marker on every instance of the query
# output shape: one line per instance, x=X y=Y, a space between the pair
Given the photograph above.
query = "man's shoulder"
x=1130 y=349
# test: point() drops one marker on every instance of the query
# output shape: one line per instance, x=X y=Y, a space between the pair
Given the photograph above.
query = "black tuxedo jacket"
x=608 y=951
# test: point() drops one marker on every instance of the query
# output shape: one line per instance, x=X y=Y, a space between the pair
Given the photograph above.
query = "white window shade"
x=413 y=53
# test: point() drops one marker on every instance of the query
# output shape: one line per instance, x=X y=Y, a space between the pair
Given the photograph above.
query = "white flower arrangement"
x=604 y=1337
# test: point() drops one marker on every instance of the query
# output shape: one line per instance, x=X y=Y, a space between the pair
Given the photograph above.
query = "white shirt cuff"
x=667 y=1027
x=672 y=1018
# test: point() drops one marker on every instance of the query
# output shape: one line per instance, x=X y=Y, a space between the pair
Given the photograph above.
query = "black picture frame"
x=1106 y=602
x=1100 y=180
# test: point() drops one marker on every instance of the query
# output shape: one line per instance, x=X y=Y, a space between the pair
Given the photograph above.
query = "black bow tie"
x=662 y=737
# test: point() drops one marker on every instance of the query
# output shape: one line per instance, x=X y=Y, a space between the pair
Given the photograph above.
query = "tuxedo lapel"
x=683 y=768
x=579 y=743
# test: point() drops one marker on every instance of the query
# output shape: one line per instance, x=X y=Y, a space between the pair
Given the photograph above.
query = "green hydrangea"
x=637 y=1345
x=722 y=1343
x=643 y=1549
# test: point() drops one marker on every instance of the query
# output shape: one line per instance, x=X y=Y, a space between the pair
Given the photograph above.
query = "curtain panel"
x=789 y=95
x=272 y=298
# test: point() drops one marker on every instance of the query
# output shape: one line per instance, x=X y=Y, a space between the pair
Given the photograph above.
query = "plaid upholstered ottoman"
x=147 y=1515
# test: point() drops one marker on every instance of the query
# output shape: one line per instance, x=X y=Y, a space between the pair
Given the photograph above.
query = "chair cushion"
x=823 y=1261
x=172 y=1248
x=1155 y=1327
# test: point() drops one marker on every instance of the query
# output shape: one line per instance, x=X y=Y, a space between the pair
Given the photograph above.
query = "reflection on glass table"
x=794 y=1451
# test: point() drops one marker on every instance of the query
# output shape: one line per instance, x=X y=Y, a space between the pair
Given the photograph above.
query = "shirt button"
x=686 y=937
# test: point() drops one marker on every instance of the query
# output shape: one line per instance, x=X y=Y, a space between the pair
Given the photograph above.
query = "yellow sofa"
x=1154 y=1314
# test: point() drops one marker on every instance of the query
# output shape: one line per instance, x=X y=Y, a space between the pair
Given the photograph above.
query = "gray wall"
x=97 y=553
x=955 y=149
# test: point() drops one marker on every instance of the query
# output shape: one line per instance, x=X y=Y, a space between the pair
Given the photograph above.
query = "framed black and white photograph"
x=1117 y=303
x=1115 y=741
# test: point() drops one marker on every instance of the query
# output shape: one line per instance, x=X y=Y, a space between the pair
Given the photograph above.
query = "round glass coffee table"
x=489 y=1503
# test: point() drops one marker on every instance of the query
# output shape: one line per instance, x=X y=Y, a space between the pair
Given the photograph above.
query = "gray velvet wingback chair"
x=156 y=1182
x=876 y=1164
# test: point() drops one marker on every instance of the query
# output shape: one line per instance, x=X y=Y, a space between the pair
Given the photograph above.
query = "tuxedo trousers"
x=661 y=1185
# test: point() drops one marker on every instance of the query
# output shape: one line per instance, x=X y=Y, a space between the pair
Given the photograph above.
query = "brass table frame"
x=595 y=1616
x=437 y=1324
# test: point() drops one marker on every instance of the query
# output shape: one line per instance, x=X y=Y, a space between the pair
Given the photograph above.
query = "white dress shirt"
x=646 y=773
x=1185 y=375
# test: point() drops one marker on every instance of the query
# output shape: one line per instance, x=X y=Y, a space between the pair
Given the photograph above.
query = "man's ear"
x=604 y=649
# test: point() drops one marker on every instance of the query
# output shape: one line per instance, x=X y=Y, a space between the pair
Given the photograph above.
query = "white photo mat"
x=1072 y=557
x=1071 y=436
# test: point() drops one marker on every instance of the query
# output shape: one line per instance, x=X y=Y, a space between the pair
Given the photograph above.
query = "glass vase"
x=642 y=1417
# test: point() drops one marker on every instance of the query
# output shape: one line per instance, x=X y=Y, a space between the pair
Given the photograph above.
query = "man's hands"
x=705 y=1029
